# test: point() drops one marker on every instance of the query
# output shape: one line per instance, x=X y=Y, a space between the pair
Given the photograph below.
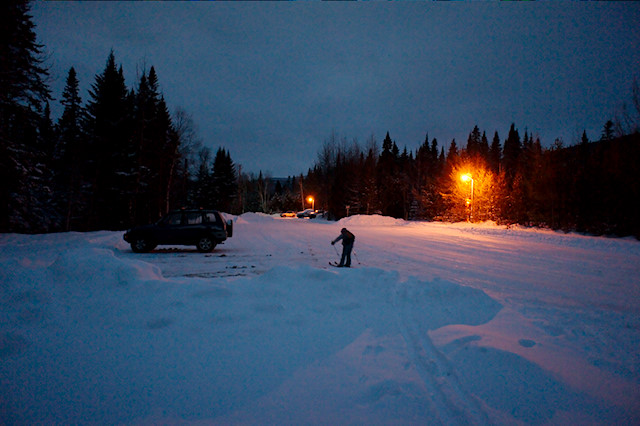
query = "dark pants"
x=345 y=260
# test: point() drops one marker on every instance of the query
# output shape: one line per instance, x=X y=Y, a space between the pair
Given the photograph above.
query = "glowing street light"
x=467 y=178
x=312 y=201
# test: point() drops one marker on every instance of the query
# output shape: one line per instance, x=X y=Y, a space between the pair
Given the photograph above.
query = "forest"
x=121 y=157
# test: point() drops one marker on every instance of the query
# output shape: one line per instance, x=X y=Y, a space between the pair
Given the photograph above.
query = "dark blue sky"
x=271 y=81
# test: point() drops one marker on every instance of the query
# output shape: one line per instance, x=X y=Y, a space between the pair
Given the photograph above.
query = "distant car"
x=202 y=228
x=289 y=213
x=310 y=213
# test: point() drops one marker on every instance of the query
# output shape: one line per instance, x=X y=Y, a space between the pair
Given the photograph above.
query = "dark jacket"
x=347 y=237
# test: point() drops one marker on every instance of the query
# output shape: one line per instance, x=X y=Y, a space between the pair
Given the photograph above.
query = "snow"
x=436 y=323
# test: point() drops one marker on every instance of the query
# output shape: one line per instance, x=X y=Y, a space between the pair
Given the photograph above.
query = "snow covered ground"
x=436 y=324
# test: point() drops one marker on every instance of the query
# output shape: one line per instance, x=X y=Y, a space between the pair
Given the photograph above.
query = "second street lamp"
x=468 y=178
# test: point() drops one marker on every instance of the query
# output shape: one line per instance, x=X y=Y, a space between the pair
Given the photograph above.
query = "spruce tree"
x=483 y=149
x=511 y=152
x=584 y=140
x=111 y=162
x=389 y=179
x=607 y=131
x=70 y=156
x=23 y=90
x=495 y=153
x=473 y=142
x=224 y=181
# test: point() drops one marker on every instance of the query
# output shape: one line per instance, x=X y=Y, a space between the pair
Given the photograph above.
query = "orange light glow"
x=466 y=177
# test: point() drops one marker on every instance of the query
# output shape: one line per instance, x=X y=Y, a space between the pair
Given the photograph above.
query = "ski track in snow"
x=436 y=323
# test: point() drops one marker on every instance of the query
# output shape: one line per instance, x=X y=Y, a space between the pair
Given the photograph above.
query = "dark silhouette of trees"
x=26 y=187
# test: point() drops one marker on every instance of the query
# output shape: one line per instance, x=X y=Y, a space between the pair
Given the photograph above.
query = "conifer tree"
x=607 y=131
x=473 y=142
x=453 y=156
x=23 y=90
x=389 y=179
x=483 y=149
x=495 y=154
x=70 y=155
x=511 y=152
x=584 y=139
x=224 y=181
x=111 y=162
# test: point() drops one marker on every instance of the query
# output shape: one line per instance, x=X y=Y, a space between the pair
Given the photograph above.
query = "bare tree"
x=263 y=191
x=627 y=121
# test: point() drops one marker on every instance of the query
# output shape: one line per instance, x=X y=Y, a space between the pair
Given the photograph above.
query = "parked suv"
x=202 y=228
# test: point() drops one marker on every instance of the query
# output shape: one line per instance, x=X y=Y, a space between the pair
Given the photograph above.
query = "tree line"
x=121 y=158
x=118 y=159
x=590 y=187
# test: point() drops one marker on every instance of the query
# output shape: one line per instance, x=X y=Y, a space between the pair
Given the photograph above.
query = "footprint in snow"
x=527 y=343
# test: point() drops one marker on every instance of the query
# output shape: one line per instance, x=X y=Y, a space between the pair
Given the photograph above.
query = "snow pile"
x=436 y=324
x=253 y=218
x=370 y=220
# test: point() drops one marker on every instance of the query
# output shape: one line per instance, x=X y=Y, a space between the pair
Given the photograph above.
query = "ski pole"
x=358 y=260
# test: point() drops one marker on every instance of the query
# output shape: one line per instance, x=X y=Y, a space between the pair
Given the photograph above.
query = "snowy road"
x=436 y=324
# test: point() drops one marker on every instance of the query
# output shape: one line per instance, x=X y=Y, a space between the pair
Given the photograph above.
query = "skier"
x=347 y=245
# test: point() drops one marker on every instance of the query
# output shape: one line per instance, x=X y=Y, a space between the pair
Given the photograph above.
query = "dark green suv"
x=202 y=228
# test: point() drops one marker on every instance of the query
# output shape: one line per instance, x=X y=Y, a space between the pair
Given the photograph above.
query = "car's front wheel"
x=206 y=244
x=141 y=245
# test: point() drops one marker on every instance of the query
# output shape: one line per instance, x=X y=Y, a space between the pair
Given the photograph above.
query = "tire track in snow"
x=453 y=403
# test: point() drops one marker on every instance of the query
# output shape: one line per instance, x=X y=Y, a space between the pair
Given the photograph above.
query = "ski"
x=336 y=265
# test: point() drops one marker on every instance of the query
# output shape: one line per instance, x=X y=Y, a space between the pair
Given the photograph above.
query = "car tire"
x=206 y=244
x=141 y=245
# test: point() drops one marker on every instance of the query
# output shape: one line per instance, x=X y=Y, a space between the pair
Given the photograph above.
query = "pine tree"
x=607 y=131
x=483 y=149
x=224 y=181
x=473 y=143
x=495 y=154
x=511 y=152
x=23 y=90
x=390 y=179
x=453 y=156
x=584 y=140
x=111 y=164
x=512 y=200
x=70 y=156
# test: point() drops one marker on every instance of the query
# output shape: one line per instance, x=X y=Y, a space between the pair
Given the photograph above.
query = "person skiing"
x=347 y=245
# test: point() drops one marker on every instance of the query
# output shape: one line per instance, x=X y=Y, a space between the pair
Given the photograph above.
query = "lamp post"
x=468 y=178
x=313 y=202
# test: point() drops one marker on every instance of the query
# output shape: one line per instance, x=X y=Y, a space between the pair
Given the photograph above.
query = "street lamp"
x=467 y=178
x=313 y=202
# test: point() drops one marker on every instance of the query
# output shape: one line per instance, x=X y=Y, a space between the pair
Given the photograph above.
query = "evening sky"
x=271 y=81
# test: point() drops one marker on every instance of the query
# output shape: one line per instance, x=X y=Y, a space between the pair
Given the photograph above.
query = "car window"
x=194 y=218
x=213 y=218
x=173 y=219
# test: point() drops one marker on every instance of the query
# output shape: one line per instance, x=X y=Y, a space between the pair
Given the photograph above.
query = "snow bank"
x=370 y=220
x=245 y=218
